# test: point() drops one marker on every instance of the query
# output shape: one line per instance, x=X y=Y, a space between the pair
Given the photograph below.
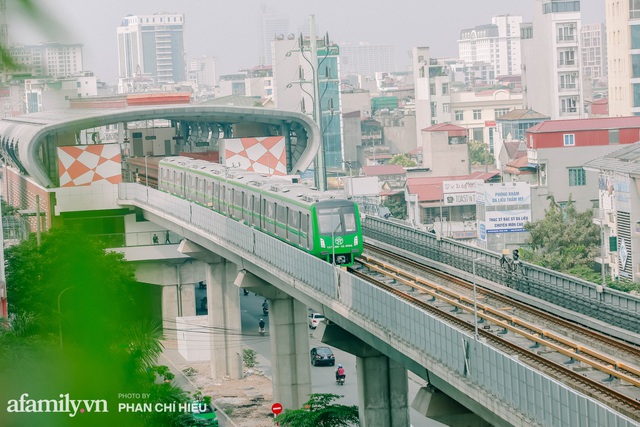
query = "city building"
x=478 y=111
x=445 y=150
x=202 y=71
x=623 y=40
x=511 y=132
x=152 y=44
x=593 y=42
x=551 y=60
x=49 y=59
x=293 y=89
x=497 y=44
x=618 y=217
x=270 y=26
x=366 y=59
x=560 y=148
x=422 y=90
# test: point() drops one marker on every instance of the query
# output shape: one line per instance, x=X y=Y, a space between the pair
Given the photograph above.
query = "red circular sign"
x=276 y=408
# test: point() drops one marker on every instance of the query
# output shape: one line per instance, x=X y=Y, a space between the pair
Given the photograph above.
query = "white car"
x=314 y=319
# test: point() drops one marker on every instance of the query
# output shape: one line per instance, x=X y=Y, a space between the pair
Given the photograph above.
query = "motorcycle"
x=261 y=331
x=265 y=311
x=340 y=379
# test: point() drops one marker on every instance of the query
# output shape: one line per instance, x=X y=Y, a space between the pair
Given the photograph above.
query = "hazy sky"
x=227 y=30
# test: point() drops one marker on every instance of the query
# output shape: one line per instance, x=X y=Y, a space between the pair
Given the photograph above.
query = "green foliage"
x=79 y=325
x=563 y=240
x=479 y=153
x=249 y=357
x=397 y=207
x=402 y=160
x=319 y=411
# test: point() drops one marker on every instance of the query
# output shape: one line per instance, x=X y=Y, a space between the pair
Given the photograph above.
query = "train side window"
x=294 y=226
x=282 y=220
x=304 y=230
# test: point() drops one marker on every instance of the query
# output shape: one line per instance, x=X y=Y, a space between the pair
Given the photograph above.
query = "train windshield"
x=338 y=220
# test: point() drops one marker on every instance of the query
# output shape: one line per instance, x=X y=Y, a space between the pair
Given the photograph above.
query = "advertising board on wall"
x=507 y=208
x=461 y=192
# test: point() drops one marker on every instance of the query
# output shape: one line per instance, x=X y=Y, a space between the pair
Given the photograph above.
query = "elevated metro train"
x=317 y=222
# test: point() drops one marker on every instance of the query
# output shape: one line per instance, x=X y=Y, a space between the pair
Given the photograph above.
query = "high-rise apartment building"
x=152 y=44
x=623 y=42
x=366 y=59
x=202 y=71
x=49 y=59
x=551 y=75
x=593 y=42
x=497 y=44
x=270 y=25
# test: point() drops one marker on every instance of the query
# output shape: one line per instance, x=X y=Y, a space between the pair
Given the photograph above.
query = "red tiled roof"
x=430 y=188
x=586 y=124
x=425 y=192
x=383 y=170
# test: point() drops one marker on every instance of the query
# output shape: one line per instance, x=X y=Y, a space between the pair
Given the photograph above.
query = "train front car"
x=337 y=232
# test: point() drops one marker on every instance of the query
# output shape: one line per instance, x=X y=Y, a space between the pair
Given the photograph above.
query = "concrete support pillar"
x=289 y=332
x=224 y=320
x=383 y=383
x=382 y=392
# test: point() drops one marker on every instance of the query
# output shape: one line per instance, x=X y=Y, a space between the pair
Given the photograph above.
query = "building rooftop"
x=522 y=114
x=380 y=170
x=625 y=160
x=577 y=125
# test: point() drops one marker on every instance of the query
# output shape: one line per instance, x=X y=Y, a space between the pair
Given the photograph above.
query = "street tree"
x=319 y=411
x=79 y=324
x=479 y=153
x=403 y=160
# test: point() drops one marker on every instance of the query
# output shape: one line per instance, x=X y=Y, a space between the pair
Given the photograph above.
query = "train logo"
x=339 y=241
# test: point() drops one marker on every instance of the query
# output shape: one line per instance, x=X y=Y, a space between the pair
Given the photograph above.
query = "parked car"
x=314 y=319
x=322 y=356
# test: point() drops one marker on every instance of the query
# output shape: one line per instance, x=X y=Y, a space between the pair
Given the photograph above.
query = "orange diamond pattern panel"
x=89 y=164
x=265 y=155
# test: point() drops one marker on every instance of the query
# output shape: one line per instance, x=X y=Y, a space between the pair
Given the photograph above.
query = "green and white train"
x=317 y=222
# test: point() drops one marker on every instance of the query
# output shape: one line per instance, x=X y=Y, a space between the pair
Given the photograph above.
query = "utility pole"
x=321 y=171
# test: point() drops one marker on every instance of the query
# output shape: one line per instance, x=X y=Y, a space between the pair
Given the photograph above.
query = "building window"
x=566 y=58
x=432 y=89
x=477 y=114
x=566 y=32
x=499 y=112
x=577 y=177
x=568 y=81
x=568 y=105
x=445 y=88
x=459 y=115
x=635 y=37
x=542 y=174
x=569 y=139
x=445 y=108
x=614 y=136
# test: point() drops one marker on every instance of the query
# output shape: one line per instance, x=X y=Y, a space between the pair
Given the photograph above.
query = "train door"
x=305 y=237
x=294 y=226
x=281 y=221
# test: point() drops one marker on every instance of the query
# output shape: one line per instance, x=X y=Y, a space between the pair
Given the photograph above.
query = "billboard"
x=507 y=208
x=460 y=192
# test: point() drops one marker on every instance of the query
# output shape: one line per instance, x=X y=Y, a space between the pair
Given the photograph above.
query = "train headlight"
x=322 y=245
x=355 y=241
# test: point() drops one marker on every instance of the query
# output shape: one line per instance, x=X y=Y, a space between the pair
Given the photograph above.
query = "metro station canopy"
x=29 y=142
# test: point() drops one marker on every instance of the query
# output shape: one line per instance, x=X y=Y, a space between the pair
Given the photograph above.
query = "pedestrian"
x=167 y=240
x=155 y=239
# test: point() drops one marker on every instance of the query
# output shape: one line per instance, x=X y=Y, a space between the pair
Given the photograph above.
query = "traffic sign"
x=276 y=408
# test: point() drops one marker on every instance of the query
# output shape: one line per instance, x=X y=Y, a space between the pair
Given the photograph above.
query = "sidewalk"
x=239 y=403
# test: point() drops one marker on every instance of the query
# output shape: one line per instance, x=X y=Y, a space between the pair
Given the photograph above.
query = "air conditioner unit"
x=574 y=98
x=574 y=74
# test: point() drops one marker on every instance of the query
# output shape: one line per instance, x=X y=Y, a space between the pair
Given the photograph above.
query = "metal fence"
x=541 y=399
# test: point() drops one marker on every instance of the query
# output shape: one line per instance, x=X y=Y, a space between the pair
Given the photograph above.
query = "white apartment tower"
x=623 y=42
x=202 y=71
x=152 y=44
x=551 y=73
x=497 y=44
x=365 y=59
x=270 y=25
x=49 y=59
x=593 y=41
